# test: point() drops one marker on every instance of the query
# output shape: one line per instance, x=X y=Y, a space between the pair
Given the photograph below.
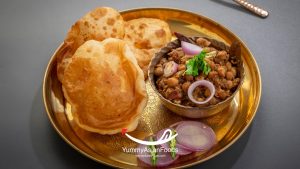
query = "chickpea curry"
x=176 y=71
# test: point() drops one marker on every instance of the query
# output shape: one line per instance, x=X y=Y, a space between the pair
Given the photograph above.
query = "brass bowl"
x=188 y=111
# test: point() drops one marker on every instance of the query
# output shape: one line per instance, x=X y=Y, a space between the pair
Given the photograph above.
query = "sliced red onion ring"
x=175 y=124
x=143 y=155
x=195 y=136
x=164 y=158
x=170 y=68
x=190 y=49
x=205 y=83
x=180 y=149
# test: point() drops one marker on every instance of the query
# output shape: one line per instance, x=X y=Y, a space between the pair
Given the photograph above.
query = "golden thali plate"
x=228 y=125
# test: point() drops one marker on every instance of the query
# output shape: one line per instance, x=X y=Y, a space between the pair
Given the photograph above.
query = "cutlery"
x=253 y=8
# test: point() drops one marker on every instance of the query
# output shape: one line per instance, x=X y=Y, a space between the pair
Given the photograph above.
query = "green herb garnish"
x=173 y=145
x=197 y=63
x=153 y=152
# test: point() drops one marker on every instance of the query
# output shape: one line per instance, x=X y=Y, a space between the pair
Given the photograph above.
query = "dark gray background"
x=31 y=30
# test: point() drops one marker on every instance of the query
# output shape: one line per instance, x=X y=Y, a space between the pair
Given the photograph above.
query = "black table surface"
x=31 y=30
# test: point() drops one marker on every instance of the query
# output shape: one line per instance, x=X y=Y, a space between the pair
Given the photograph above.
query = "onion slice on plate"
x=190 y=49
x=175 y=124
x=180 y=149
x=192 y=136
x=195 y=136
x=205 y=83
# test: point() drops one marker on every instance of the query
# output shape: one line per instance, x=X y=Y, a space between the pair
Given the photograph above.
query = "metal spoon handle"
x=255 y=9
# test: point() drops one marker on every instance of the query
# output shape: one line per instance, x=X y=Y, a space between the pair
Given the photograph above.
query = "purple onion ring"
x=204 y=83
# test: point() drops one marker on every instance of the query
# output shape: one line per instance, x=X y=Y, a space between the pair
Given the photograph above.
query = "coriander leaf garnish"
x=173 y=145
x=153 y=152
x=197 y=63
x=191 y=67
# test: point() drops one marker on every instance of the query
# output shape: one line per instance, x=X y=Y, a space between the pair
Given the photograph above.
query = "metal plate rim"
x=47 y=72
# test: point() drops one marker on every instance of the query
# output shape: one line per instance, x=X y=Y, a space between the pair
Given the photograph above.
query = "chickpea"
x=185 y=86
x=199 y=77
x=218 y=60
x=199 y=99
x=221 y=71
x=196 y=91
x=178 y=74
x=222 y=94
x=180 y=52
x=176 y=57
x=168 y=92
x=171 y=59
x=161 y=83
x=189 y=77
x=236 y=82
x=233 y=70
x=222 y=55
x=216 y=67
x=177 y=101
x=173 y=53
x=211 y=64
x=213 y=101
x=172 y=82
x=208 y=49
x=158 y=71
x=212 y=74
x=203 y=42
x=183 y=60
x=207 y=93
x=229 y=84
x=229 y=75
x=228 y=65
x=175 y=94
x=181 y=67
x=164 y=79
